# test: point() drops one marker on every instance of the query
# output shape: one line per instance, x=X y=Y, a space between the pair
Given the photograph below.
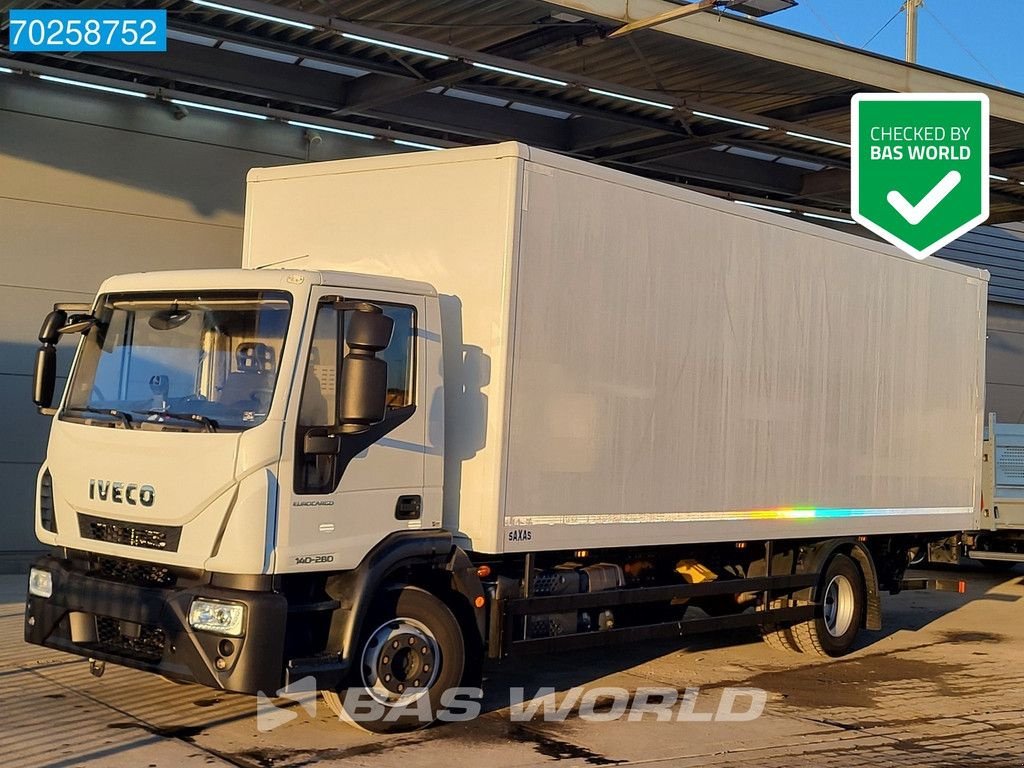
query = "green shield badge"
x=920 y=167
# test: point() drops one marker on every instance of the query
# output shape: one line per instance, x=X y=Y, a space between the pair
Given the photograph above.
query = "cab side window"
x=319 y=400
x=399 y=356
x=318 y=407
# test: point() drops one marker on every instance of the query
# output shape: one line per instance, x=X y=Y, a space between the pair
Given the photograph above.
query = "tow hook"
x=97 y=668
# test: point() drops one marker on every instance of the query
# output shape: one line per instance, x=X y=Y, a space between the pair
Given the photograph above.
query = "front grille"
x=147 y=646
x=162 y=537
x=131 y=572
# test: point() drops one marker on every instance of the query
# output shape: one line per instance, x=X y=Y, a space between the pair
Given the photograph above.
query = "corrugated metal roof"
x=322 y=73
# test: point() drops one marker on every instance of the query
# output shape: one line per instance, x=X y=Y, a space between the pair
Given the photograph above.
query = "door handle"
x=409 y=508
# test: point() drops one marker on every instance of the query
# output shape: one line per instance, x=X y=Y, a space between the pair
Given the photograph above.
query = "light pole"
x=910 y=7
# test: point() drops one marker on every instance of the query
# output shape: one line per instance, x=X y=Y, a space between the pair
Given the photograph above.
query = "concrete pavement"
x=942 y=686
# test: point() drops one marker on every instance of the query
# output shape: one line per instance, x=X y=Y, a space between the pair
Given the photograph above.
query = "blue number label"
x=87 y=30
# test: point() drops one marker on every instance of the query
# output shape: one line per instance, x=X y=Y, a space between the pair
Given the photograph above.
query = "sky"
x=979 y=39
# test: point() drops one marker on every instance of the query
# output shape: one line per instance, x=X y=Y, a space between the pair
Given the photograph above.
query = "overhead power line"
x=882 y=28
x=963 y=47
x=824 y=22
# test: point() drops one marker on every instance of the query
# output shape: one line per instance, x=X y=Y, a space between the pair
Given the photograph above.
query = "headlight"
x=40 y=583
x=216 y=616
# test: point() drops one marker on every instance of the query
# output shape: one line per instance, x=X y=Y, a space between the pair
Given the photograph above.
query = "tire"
x=412 y=647
x=779 y=638
x=843 y=599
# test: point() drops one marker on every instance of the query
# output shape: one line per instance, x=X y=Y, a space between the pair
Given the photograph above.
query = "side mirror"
x=362 y=395
x=52 y=325
x=44 y=376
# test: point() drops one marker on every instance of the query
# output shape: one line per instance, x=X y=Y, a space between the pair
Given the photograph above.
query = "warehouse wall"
x=1000 y=250
x=92 y=185
x=1005 y=362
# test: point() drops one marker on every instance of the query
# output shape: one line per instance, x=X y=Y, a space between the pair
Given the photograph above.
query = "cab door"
x=339 y=505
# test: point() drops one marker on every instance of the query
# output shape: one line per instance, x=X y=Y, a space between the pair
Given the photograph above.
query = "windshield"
x=191 y=361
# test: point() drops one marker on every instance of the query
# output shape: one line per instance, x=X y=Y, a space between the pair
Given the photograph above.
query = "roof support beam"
x=235 y=72
x=481 y=121
x=753 y=38
x=823 y=105
x=665 y=16
x=730 y=170
x=371 y=91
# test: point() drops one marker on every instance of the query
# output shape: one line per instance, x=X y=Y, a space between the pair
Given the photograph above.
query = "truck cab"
x=222 y=434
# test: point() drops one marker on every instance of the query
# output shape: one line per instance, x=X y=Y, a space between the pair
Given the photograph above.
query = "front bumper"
x=146 y=627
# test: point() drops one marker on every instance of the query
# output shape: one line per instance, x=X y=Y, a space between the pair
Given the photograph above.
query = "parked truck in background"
x=998 y=544
x=492 y=401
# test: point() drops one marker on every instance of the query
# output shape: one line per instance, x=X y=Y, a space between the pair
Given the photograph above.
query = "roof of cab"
x=265 y=279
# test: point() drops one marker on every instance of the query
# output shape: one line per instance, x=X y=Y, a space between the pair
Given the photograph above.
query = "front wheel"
x=411 y=653
x=843 y=599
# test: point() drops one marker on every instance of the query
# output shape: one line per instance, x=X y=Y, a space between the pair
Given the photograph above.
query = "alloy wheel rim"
x=838 y=605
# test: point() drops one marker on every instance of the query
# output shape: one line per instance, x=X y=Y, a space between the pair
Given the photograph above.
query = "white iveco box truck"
x=488 y=401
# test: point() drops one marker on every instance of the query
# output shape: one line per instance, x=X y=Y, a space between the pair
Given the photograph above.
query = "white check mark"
x=915 y=214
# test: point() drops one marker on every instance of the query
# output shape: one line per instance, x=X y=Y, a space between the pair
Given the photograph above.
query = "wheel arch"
x=425 y=559
x=815 y=559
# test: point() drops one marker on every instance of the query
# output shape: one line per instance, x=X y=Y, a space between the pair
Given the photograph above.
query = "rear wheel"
x=843 y=600
x=412 y=652
x=779 y=638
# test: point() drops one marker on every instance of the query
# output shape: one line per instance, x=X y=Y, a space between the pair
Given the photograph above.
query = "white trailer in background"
x=491 y=401
x=999 y=541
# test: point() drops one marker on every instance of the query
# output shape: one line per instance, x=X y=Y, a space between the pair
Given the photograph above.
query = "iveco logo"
x=122 y=493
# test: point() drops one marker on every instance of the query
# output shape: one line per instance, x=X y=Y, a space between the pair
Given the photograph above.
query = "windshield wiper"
x=125 y=418
x=210 y=424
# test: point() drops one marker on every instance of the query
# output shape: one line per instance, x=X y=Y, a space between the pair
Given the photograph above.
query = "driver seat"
x=250 y=387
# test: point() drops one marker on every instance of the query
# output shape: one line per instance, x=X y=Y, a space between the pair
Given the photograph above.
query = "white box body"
x=629 y=363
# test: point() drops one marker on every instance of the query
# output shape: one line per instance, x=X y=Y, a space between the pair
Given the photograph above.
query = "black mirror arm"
x=77 y=324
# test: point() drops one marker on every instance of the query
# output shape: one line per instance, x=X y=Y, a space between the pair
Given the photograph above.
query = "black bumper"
x=147 y=628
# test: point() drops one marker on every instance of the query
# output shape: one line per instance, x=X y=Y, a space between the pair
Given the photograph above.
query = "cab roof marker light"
x=763 y=206
x=396 y=46
x=224 y=110
x=414 y=144
x=329 y=129
x=92 y=86
x=253 y=14
x=733 y=120
x=517 y=73
x=634 y=99
x=822 y=216
x=996 y=177
x=820 y=139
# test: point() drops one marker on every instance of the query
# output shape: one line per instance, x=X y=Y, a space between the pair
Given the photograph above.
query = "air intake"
x=47 y=518
x=163 y=537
